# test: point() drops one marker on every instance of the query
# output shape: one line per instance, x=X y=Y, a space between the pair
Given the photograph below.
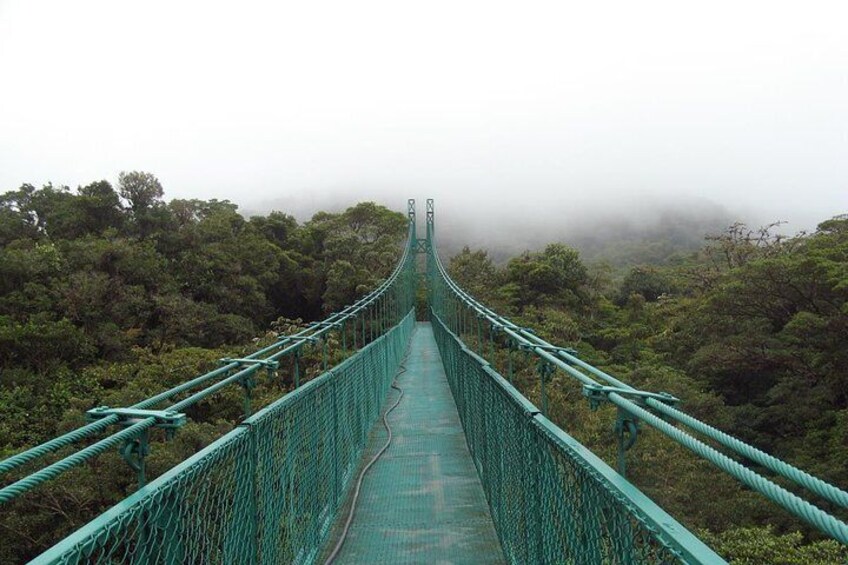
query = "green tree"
x=141 y=190
x=100 y=207
x=143 y=193
x=649 y=282
x=474 y=272
x=554 y=275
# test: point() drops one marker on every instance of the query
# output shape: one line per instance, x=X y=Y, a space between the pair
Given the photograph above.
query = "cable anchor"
x=626 y=426
x=134 y=451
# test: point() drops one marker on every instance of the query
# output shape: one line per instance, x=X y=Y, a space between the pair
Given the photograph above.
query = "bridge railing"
x=552 y=500
x=464 y=315
x=355 y=325
x=129 y=428
x=266 y=492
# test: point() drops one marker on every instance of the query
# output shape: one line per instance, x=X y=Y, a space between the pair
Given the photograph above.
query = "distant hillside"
x=627 y=232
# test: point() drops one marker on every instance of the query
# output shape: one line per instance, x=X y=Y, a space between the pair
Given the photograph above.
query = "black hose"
x=343 y=537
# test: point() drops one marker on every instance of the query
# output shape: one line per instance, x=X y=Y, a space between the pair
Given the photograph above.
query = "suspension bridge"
x=465 y=469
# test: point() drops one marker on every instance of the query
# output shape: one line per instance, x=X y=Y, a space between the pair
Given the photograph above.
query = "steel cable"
x=282 y=347
x=557 y=356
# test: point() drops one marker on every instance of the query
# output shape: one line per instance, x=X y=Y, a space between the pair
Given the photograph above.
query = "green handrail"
x=398 y=287
x=446 y=297
x=269 y=490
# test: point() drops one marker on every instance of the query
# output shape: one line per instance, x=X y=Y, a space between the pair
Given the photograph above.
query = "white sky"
x=567 y=104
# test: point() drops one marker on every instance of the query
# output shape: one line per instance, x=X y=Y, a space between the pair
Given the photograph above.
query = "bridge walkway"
x=422 y=502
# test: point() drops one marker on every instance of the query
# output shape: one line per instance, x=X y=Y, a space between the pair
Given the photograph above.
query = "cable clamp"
x=304 y=338
x=270 y=365
x=598 y=394
x=548 y=348
x=323 y=324
x=166 y=419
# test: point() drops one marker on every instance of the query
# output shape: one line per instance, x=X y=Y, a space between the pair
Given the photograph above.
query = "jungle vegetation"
x=109 y=294
x=750 y=331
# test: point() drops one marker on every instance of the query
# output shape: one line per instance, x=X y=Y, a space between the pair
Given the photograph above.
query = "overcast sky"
x=538 y=108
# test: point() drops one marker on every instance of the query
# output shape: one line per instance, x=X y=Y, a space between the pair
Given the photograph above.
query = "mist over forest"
x=657 y=190
x=109 y=293
x=621 y=231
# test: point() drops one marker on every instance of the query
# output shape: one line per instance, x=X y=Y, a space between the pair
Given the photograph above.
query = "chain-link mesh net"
x=552 y=501
x=267 y=492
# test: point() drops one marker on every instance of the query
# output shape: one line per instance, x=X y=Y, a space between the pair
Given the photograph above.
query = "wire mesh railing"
x=136 y=429
x=268 y=491
x=551 y=499
x=462 y=314
x=355 y=326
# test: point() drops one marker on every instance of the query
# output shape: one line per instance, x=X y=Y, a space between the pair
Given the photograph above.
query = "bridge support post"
x=545 y=370
x=135 y=452
x=492 y=359
x=363 y=330
x=248 y=485
x=626 y=431
x=509 y=361
x=480 y=347
x=296 y=357
x=535 y=541
x=334 y=392
x=247 y=383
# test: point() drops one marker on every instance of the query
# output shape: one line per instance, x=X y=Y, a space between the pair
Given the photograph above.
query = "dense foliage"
x=110 y=296
x=750 y=331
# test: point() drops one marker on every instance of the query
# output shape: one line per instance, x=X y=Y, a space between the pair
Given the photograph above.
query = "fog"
x=524 y=121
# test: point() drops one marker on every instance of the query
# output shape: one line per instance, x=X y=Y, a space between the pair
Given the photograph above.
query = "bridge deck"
x=422 y=502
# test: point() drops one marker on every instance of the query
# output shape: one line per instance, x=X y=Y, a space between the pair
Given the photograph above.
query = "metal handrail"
x=569 y=363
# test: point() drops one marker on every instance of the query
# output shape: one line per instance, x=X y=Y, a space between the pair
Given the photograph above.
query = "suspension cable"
x=274 y=351
x=572 y=365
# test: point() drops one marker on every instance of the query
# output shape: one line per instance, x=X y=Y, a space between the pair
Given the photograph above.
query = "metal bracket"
x=624 y=423
x=513 y=327
x=311 y=338
x=322 y=324
x=544 y=369
x=166 y=419
x=422 y=246
x=134 y=451
x=626 y=432
x=270 y=365
x=548 y=348
x=598 y=393
x=248 y=382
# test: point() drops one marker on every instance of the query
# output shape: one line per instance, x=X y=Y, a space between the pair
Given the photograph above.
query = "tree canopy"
x=750 y=331
x=109 y=296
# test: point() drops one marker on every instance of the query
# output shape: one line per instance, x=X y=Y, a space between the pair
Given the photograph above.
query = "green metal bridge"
x=474 y=472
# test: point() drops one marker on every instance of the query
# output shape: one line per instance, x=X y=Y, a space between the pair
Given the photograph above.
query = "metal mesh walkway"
x=422 y=502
